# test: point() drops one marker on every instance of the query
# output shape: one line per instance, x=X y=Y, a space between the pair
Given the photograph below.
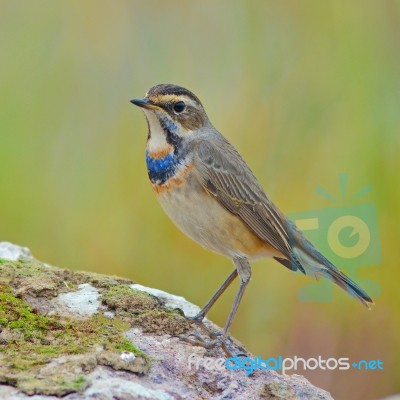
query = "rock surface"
x=89 y=336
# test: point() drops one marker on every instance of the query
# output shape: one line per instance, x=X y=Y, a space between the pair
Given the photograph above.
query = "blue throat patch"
x=161 y=169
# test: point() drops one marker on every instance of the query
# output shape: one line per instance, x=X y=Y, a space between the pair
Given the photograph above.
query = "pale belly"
x=203 y=219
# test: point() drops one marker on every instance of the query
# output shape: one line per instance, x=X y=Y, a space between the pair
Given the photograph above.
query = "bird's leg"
x=202 y=313
x=244 y=271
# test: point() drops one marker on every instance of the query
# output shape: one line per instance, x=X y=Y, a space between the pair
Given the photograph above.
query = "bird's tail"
x=311 y=262
x=349 y=286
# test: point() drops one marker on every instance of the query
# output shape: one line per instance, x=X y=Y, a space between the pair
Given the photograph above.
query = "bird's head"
x=173 y=113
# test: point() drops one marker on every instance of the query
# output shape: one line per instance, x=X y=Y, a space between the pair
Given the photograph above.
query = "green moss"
x=13 y=269
x=79 y=383
x=58 y=385
x=126 y=345
x=123 y=298
x=45 y=353
x=163 y=322
x=107 y=282
x=144 y=310
x=15 y=314
x=29 y=276
x=31 y=340
x=32 y=277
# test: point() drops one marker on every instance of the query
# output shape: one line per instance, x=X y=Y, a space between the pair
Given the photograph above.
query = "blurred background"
x=305 y=90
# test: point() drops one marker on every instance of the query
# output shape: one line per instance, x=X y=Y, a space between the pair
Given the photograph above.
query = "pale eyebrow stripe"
x=173 y=97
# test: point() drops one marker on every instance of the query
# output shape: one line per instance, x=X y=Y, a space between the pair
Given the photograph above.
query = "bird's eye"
x=179 y=106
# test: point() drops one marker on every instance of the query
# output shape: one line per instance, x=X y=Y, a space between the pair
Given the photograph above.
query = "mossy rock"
x=51 y=354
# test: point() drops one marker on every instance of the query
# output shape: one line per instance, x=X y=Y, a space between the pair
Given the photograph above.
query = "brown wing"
x=224 y=174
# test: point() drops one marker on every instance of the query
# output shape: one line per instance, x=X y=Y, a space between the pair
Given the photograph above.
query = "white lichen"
x=84 y=301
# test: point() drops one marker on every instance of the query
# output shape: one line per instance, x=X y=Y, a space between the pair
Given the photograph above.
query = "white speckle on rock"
x=109 y=314
x=127 y=356
x=170 y=300
x=12 y=252
x=84 y=301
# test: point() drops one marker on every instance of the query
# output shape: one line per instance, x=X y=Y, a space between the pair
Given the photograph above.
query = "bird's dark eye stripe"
x=179 y=106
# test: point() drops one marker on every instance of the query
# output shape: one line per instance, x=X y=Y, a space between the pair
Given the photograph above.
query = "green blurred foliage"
x=305 y=90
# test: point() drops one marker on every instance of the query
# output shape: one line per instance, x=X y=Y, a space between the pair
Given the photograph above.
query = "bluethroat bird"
x=210 y=193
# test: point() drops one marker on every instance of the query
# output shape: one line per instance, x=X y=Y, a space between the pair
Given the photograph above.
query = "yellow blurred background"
x=305 y=90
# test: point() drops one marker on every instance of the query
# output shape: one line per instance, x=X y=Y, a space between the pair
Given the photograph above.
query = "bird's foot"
x=212 y=334
x=198 y=318
x=199 y=341
x=216 y=340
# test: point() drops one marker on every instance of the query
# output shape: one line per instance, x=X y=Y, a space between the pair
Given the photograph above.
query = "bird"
x=207 y=189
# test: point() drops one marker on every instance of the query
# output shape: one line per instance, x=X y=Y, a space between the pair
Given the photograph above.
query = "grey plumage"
x=226 y=176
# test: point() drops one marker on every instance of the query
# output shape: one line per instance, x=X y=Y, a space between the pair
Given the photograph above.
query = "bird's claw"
x=216 y=338
x=208 y=344
x=199 y=341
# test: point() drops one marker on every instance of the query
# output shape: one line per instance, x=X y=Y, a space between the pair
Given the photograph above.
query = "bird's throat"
x=162 y=169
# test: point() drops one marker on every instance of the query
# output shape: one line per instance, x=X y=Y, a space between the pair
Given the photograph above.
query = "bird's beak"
x=145 y=103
